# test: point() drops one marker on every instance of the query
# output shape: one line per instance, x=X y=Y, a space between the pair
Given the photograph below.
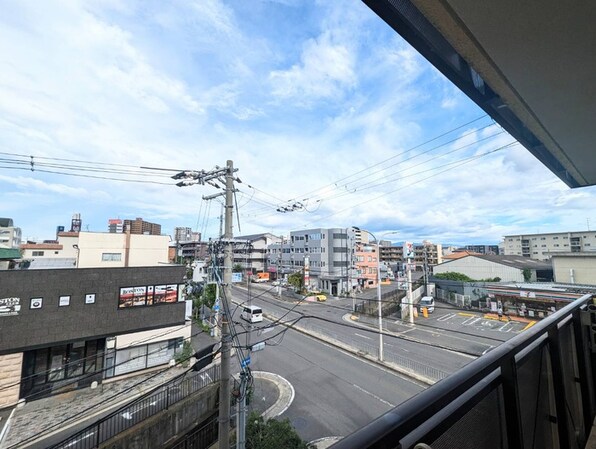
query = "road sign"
x=245 y=362
x=258 y=346
x=216 y=306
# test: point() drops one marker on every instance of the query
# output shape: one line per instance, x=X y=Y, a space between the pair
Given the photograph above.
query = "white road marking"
x=363 y=336
x=374 y=396
x=446 y=317
x=504 y=328
x=487 y=349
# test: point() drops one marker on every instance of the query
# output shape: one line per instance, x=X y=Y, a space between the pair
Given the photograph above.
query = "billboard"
x=149 y=295
x=10 y=306
x=408 y=251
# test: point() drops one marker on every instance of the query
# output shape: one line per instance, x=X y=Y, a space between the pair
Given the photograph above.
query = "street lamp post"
x=380 y=311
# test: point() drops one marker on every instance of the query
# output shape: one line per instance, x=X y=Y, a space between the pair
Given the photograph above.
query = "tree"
x=237 y=268
x=270 y=434
x=296 y=280
x=527 y=274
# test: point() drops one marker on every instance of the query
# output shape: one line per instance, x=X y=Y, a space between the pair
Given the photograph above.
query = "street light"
x=378 y=291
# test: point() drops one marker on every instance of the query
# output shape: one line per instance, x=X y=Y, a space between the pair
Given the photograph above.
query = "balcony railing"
x=536 y=390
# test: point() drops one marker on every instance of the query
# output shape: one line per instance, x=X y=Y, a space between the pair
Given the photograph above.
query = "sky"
x=331 y=119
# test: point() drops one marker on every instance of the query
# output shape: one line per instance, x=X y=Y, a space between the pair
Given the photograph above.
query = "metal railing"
x=140 y=409
x=536 y=391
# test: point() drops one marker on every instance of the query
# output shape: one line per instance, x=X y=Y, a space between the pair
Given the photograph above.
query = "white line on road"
x=446 y=317
x=374 y=396
x=487 y=349
x=504 y=328
x=363 y=336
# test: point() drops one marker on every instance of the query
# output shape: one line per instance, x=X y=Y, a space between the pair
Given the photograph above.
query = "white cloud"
x=324 y=72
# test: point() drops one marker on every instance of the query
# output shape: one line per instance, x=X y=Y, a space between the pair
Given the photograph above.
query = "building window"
x=586 y=244
x=556 y=244
x=542 y=238
x=111 y=257
x=555 y=238
x=544 y=246
x=37 y=253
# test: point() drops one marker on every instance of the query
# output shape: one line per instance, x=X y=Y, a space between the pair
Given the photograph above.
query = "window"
x=544 y=246
x=542 y=238
x=37 y=253
x=586 y=244
x=556 y=244
x=111 y=257
x=555 y=238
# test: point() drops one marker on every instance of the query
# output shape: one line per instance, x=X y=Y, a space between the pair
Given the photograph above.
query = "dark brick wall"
x=33 y=328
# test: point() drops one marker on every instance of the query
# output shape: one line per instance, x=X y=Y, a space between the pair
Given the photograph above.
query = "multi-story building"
x=326 y=256
x=115 y=225
x=426 y=252
x=252 y=252
x=10 y=236
x=483 y=249
x=365 y=263
x=98 y=250
x=539 y=246
x=139 y=226
x=186 y=234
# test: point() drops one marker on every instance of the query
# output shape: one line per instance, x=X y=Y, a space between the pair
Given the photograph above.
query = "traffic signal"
x=204 y=357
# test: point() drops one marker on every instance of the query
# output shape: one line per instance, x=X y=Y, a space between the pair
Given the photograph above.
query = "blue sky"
x=318 y=104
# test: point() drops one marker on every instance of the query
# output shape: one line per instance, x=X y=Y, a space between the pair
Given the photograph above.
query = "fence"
x=139 y=410
x=536 y=391
x=202 y=437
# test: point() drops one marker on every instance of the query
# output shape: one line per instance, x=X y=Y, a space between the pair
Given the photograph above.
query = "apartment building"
x=139 y=226
x=540 y=246
x=483 y=249
x=425 y=252
x=253 y=255
x=10 y=235
x=326 y=254
x=365 y=263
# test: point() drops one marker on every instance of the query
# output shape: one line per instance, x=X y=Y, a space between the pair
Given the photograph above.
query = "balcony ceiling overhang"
x=529 y=65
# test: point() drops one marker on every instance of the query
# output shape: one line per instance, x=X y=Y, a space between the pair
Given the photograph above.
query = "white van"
x=252 y=314
x=428 y=302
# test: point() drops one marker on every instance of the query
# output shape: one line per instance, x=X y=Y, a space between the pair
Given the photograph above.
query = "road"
x=328 y=320
x=336 y=392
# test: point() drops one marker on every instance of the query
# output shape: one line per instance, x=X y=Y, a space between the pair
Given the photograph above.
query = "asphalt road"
x=328 y=319
x=336 y=392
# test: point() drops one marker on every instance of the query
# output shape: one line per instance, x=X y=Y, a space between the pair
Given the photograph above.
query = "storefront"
x=61 y=368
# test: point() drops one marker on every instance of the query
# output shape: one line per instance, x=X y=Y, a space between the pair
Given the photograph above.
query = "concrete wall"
x=167 y=426
x=143 y=250
x=10 y=376
x=577 y=269
x=52 y=324
x=477 y=268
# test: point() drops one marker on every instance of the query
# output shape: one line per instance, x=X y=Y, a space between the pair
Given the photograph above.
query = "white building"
x=575 y=268
x=10 y=236
x=507 y=268
x=542 y=246
x=98 y=250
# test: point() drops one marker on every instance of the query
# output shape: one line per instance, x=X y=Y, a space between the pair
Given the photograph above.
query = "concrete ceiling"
x=531 y=65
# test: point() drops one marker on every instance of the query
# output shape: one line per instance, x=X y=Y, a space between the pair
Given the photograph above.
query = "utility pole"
x=226 y=338
x=202 y=177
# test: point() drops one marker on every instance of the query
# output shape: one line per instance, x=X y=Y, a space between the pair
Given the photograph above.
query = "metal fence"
x=140 y=409
x=535 y=391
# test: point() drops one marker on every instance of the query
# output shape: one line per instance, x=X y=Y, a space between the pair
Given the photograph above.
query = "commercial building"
x=63 y=329
x=574 y=268
x=542 y=246
x=115 y=225
x=98 y=250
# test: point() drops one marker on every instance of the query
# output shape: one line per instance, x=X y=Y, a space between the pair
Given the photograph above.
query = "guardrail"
x=140 y=409
x=536 y=390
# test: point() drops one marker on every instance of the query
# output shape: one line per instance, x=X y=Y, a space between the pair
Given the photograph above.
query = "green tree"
x=296 y=280
x=453 y=276
x=237 y=268
x=527 y=274
x=270 y=434
x=183 y=357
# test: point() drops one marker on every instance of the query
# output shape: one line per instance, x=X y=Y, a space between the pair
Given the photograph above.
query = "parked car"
x=321 y=297
x=428 y=302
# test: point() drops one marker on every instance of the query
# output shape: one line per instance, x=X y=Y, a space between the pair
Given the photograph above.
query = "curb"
x=286 y=393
